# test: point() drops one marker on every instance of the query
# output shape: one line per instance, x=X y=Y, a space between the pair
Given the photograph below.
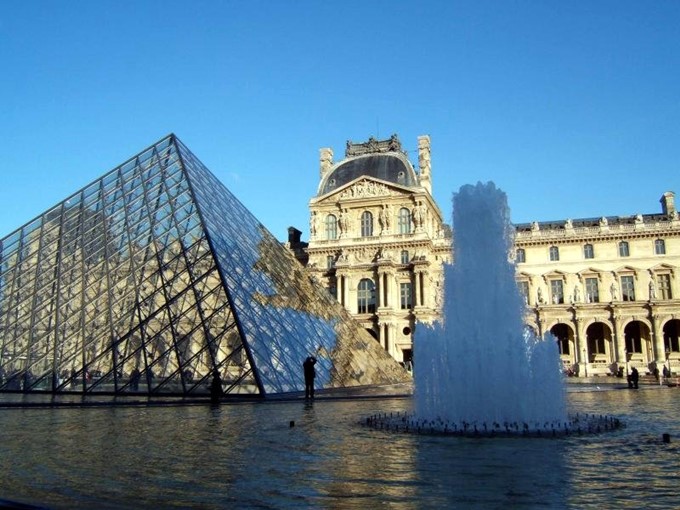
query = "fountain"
x=480 y=370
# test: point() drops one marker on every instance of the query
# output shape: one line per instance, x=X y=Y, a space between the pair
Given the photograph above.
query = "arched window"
x=404 y=221
x=520 y=255
x=404 y=257
x=366 y=224
x=366 y=296
x=660 y=247
x=554 y=253
x=624 y=250
x=331 y=227
x=588 y=251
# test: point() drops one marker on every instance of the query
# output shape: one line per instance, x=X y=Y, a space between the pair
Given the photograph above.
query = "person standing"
x=634 y=377
x=216 y=390
x=310 y=374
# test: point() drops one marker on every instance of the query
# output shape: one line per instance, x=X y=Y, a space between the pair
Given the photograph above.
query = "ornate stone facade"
x=607 y=288
x=378 y=239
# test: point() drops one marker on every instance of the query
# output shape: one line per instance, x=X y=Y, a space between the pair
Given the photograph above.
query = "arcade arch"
x=638 y=342
x=671 y=334
x=600 y=352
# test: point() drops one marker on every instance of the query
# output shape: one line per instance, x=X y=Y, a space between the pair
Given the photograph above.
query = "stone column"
x=618 y=339
x=580 y=339
x=385 y=342
x=416 y=288
x=657 y=339
x=541 y=326
x=378 y=290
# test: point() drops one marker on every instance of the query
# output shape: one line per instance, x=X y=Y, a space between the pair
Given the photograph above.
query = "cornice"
x=596 y=234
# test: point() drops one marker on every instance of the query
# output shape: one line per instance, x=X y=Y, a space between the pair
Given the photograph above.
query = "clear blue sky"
x=571 y=107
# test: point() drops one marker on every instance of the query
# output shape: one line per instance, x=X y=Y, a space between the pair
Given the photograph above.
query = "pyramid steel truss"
x=153 y=276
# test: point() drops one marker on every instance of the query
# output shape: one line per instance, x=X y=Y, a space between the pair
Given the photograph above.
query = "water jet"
x=481 y=366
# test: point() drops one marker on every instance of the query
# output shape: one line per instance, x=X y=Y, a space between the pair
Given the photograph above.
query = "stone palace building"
x=378 y=239
x=607 y=288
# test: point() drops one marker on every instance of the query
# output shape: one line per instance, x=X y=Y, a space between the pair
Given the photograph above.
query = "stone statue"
x=343 y=222
x=393 y=144
x=614 y=291
x=534 y=226
x=652 y=290
x=312 y=224
x=603 y=221
x=568 y=225
x=388 y=215
x=382 y=220
x=419 y=215
x=539 y=296
x=577 y=294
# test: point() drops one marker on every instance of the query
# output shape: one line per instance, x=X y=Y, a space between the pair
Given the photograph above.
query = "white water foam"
x=480 y=364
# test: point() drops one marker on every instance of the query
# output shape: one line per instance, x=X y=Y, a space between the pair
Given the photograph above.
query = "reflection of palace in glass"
x=153 y=276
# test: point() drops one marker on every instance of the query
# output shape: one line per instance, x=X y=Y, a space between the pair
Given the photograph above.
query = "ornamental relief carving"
x=364 y=189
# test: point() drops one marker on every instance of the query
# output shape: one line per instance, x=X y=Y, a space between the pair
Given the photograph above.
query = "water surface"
x=249 y=456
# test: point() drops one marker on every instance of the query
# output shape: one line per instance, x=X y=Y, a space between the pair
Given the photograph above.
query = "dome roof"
x=391 y=167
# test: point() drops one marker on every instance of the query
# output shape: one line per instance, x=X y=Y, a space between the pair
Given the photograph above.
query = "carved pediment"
x=626 y=269
x=663 y=268
x=589 y=271
x=364 y=188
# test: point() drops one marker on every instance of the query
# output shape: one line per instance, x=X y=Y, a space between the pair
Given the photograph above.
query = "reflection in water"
x=248 y=456
x=481 y=472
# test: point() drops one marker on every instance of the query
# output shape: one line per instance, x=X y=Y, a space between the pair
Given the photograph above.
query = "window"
x=331 y=227
x=664 y=286
x=404 y=257
x=524 y=290
x=588 y=251
x=627 y=288
x=557 y=291
x=554 y=253
x=366 y=296
x=520 y=255
x=366 y=224
x=404 y=221
x=660 y=247
x=330 y=261
x=406 y=296
x=624 y=250
x=592 y=291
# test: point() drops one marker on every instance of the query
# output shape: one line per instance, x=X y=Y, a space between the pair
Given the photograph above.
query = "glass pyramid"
x=155 y=275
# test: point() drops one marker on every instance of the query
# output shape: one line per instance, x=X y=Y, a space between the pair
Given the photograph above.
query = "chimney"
x=293 y=236
x=668 y=203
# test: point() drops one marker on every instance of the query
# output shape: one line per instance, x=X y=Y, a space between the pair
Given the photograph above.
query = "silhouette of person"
x=310 y=374
x=135 y=376
x=215 y=388
x=634 y=377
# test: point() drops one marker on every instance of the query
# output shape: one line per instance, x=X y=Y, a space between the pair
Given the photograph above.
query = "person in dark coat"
x=634 y=377
x=216 y=388
x=310 y=374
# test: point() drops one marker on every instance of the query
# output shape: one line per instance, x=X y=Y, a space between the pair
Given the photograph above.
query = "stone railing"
x=613 y=229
